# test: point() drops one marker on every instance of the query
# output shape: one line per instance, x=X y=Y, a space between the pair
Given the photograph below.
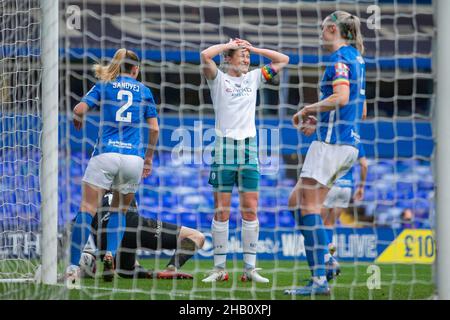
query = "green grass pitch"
x=397 y=282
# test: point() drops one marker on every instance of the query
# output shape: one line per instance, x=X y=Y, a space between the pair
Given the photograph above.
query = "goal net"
x=20 y=128
x=385 y=242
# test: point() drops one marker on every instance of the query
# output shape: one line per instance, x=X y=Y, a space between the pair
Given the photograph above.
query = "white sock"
x=219 y=231
x=250 y=233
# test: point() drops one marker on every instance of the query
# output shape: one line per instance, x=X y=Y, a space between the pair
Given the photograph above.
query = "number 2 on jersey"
x=121 y=111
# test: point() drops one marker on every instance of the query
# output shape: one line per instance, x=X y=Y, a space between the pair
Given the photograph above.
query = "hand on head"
x=244 y=44
x=233 y=44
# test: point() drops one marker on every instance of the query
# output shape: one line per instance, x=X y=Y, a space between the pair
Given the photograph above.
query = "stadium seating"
x=186 y=197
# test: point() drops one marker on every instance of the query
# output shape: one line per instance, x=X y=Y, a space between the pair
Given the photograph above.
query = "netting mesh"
x=20 y=128
x=168 y=37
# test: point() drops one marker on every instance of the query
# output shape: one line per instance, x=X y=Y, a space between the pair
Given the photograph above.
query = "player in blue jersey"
x=119 y=160
x=338 y=199
x=335 y=119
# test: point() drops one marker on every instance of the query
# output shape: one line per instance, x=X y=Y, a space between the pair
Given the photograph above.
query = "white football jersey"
x=234 y=102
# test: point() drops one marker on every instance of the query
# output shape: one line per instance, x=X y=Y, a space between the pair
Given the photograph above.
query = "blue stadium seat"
x=285 y=219
x=268 y=198
x=156 y=161
x=235 y=200
x=405 y=190
x=405 y=204
x=193 y=201
x=424 y=169
x=170 y=217
x=282 y=194
x=378 y=170
x=266 y=219
x=287 y=182
x=169 y=199
x=209 y=200
x=407 y=165
x=148 y=201
x=152 y=180
x=33 y=182
x=269 y=180
x=74 y=208
x=204 y=180
x=205 y=219
x=386 y=214
x=190 y=219
x=191 y=182
x=422 y=204
x=426 y=183
x=76 y=170
x=423 y=194
x=170 y=181
x=8 y=208
x=235 y=219
x=232 y=224
x=369 y=197
x=387 y=196
x=9 y=196
x=151 y=214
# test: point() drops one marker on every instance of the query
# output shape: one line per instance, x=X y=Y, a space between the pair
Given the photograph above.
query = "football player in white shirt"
x=235 y=155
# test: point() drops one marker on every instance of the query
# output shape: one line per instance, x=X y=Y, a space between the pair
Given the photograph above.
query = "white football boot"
x=253 y=275
x=217 y=275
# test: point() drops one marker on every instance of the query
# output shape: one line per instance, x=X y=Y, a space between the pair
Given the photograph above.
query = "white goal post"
x=49 y=141
x=29 y=143
x=442 y=129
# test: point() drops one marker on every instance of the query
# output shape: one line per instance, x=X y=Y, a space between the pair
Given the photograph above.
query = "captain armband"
x=268 y=72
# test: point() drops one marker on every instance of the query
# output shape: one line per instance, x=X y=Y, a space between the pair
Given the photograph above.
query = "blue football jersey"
x=340 y=126
x=347 y=181
x=124 y=104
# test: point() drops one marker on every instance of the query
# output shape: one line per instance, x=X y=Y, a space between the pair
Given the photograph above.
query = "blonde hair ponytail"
x=122 y=61
x=350 y=28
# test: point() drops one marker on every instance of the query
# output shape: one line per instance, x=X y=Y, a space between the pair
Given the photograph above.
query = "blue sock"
x=329 y=232
x=298 y=217
x=299 y=220
x=80 y=233
x=114 y=231
x=316 y=245
x=309 y=253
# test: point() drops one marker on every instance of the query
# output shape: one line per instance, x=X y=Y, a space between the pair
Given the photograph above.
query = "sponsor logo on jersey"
x=239 y=92
x=341 y=70
x=120 y=144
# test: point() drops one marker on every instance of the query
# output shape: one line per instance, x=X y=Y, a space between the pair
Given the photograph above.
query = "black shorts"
x=141 y=233
x=150 y=234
